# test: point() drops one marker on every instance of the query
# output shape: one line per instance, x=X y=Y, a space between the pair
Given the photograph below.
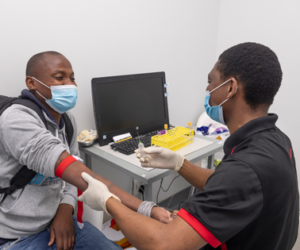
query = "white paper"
x=121 y=137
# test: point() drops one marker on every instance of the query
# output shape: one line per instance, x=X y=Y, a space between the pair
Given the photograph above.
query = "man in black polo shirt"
x=251 y=200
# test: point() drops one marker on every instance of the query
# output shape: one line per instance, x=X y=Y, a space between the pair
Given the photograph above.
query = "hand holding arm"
x=97 y=193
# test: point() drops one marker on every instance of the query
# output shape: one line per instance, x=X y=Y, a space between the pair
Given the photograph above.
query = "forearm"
x=144 y=233
x=72 y=175
x=195 y=175
x=66 y=209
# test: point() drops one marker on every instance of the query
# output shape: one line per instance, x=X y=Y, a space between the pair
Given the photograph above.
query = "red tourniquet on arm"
x=200 y=229
x=63 y=165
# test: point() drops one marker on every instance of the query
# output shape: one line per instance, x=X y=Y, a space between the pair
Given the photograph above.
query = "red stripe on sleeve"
x=200 y=229
x=224 y=246
x=63 y=165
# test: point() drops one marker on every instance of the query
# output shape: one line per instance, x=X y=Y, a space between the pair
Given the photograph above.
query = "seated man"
x=251 y=201
x=40 y=215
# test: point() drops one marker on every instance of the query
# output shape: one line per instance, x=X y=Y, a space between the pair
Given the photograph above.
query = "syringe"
x=141 y=150
x=141 y=145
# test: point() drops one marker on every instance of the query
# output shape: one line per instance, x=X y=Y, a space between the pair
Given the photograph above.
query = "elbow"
x=160 y=243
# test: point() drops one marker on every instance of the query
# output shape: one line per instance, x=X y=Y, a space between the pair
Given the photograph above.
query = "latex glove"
x=157 y=157
x=97 y=194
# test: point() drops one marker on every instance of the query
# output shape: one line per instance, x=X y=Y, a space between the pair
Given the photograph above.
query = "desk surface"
x=130 y=165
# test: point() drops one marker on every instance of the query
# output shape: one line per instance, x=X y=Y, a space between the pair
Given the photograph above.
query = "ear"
x=30 y=83
x=232 y=87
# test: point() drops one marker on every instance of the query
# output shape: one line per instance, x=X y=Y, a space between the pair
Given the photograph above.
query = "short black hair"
x=32 y=68
x=256 y=67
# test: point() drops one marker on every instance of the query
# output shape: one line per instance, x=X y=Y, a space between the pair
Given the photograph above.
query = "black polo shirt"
x=251 y=201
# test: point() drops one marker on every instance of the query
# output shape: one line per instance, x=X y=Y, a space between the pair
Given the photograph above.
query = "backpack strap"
x=30 y=104
x=20 y=180
x=24 y=175
x=69 y=127
x=6 y=102
x=25 y=102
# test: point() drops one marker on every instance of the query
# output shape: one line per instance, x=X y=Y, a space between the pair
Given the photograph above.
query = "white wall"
x=106 y=38
x=274 y=23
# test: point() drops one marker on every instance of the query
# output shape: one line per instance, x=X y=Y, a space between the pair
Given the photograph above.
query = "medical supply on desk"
x=215 y=131
x=212 y=129
x=166 y=128
x=190 y=128
x=141 y=149
x=123 y=137
x=87 y=138
x=175 y=138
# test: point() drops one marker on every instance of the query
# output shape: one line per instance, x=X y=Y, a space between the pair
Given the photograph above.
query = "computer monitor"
x=121 y=103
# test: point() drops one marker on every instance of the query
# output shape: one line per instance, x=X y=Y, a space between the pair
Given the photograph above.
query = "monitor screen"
x=122 y=103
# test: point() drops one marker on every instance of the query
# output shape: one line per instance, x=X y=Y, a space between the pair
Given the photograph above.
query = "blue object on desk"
x=203 y=130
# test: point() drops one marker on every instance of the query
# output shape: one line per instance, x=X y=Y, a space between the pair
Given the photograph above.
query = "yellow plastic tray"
x=175 y=138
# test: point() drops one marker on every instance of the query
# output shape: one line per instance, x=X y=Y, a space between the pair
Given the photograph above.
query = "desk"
x=148 y=177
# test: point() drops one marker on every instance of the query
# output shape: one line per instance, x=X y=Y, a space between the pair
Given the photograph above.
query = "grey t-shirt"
x=24 y=140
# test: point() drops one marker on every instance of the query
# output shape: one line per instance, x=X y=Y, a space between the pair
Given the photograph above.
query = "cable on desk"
x=160 y=187
x=159 y=190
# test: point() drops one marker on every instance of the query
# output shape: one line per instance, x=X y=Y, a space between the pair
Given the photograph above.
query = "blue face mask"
x=215 y=112
x=64 y=97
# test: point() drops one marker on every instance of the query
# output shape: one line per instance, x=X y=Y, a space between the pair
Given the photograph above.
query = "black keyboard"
x=127 y=147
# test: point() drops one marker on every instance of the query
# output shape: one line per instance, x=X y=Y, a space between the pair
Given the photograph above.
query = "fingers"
x=72 y=241
x=174 y=213
x=86 y=177
x=52 y=237
x=153 y=150
x=66 y=242
x=149 y=150
x=146 y=165
x=144 y=160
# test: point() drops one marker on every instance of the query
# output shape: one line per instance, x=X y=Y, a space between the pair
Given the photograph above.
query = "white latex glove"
x=96 y=194
x=157 y=157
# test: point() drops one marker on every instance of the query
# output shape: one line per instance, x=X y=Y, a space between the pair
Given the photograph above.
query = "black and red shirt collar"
x=250 y=128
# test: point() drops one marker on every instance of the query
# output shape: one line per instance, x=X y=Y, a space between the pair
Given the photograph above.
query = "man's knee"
x=90 y=236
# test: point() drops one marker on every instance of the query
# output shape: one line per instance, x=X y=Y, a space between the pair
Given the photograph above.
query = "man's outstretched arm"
x=72 y=175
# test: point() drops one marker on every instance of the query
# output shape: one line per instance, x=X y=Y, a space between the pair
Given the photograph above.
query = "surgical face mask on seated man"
x=215 y=112
x=64 y=97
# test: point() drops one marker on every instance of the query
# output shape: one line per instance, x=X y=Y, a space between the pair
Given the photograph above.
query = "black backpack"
x=25 y=175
